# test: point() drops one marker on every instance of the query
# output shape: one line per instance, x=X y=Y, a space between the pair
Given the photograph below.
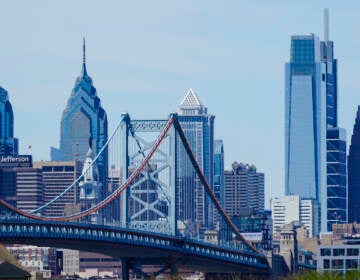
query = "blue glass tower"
x=336 y=177
x=305 y=122
x=198 y=126
x=8 y=144
x=354 y=173
x=219 y=179
x=327 y=56
x=314 y=170
x=335 y=139
x=219 y=170
x=84 y=123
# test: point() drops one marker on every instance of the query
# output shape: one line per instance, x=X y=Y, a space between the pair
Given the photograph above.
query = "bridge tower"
x=149 y=204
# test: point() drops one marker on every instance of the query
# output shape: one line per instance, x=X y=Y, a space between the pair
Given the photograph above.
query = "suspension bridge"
x=158 y=210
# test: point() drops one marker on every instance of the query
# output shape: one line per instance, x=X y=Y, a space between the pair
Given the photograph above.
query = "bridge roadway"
x=133 y=245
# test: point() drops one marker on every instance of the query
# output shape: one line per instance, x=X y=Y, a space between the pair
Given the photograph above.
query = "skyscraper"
x=327 y=56
x=336 y=203
x=219 y=180
x=198 y=126
x=336 y=177
x=354 y=173
x=8 y=144
x=305 y=120
x=315 y=168
x=243 y=190
x=219 y=170
x=56 y=177
x=84 y=124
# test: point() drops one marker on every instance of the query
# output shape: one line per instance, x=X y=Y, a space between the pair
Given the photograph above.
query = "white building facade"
x=290 y=209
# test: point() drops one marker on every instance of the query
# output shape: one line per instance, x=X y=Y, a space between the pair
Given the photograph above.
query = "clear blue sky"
x=144 y=56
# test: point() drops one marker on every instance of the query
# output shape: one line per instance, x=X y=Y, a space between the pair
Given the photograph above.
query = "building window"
x=326 y=264
x=337 y=264
x=325 y=252
x=352 y=252
x=338 y=252
x=352 y=264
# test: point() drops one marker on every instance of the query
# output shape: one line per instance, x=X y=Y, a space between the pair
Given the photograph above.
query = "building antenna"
x=326 y=25
x=84 y=54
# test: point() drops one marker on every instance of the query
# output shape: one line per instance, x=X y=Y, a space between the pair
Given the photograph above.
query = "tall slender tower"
x=354 y=173
x=305 y=121
x=8 y=144
x=336 y=192
x=198 y=126
x=314 y=168
x=84 y=123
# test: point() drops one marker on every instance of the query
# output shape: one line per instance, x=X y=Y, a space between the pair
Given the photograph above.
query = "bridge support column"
x=125 y=269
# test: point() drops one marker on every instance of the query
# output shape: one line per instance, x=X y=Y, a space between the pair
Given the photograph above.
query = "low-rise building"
x=339 y=257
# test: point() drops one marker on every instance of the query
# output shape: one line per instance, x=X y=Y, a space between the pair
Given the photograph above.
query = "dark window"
x=352 y=252
x=325 y=252
x=326 y=264
x=338 y=252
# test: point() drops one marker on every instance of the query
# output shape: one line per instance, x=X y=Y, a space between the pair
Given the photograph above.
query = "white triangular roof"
x=190 y=100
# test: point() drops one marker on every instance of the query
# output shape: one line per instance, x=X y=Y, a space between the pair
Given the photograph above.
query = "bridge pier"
x=125 y=269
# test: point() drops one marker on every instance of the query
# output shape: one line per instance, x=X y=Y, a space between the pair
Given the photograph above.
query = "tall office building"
x=57 y=176
x=29 y=188
x=243 y=189
x=354 y=173
x=336 y=203
x=311 y=117
x=84 y=124
x=305 y=120
x=8 y=169
x=219 y=180
x=198 y=126
x=8 y=144
x=336 y=177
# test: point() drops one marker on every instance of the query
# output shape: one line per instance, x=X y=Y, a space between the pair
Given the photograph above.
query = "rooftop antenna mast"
x=326 y=25
x=84 y=54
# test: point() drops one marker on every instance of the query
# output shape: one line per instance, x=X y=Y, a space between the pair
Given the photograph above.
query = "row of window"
x=339 y=264
x=339 y=252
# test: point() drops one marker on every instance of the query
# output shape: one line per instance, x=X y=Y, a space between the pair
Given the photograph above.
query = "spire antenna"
x=84 y=53
x=326 y=24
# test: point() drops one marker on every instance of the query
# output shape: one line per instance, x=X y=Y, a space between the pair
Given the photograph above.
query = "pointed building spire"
x=191 y=105
x=83 y=72
x=84 y=53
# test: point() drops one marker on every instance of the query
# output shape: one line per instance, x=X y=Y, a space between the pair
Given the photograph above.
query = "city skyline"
x=228 y=57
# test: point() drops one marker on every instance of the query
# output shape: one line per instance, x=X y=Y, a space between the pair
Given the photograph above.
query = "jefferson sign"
x=15 y=161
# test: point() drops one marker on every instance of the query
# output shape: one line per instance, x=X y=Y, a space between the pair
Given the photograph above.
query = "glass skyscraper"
x=219 y=179
x=84 y=124
x=315 y=168
x=354 y=173
x=198 y=126
x=336 y=203
x=8 y=144
x=336 y=177
x=305 y=127
x=305 y=121
x=219 y=170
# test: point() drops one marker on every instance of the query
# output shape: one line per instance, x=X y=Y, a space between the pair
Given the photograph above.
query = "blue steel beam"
x=125 y=243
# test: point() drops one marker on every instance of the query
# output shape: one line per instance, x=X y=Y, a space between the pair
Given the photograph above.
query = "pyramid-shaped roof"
x=190 y=100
